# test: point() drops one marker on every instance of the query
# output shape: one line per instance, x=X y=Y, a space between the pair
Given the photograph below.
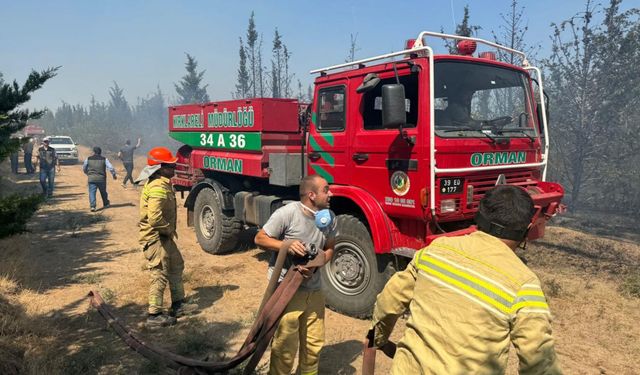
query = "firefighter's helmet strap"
x=498 y=230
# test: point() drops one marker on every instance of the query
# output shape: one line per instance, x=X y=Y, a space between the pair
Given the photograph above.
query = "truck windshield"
x=61 y=141
x=471 y=98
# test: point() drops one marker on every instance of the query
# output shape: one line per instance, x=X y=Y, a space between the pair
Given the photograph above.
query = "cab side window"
x=331 y=109
x=372 y=102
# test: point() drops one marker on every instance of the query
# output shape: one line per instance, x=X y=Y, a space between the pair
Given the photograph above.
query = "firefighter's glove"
x=370 y=337
x=388 y=348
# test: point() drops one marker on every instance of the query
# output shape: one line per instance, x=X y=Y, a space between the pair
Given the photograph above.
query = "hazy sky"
x=141 y=44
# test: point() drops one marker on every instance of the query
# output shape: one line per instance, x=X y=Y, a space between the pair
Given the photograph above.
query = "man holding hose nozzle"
x=470 y=297
x=310 y=224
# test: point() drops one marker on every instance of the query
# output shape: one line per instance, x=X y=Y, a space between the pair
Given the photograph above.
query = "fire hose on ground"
x=273 y=303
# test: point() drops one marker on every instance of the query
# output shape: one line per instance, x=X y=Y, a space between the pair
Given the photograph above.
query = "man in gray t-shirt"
x=292 y=222
x=303 y=320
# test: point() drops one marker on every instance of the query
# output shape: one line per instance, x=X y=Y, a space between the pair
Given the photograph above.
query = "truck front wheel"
x=355 y=275
x=216 y=230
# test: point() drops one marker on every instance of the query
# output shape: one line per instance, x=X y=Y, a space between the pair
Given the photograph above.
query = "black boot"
x=160 y=320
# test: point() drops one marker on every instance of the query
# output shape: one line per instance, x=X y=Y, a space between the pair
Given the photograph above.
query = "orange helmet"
x=159 y=155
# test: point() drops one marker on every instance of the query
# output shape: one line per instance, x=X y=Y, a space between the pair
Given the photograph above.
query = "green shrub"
x=15 y=210
x=552 y=288
x=631 y=285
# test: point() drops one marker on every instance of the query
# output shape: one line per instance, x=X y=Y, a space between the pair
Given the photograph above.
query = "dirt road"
x=71 y=251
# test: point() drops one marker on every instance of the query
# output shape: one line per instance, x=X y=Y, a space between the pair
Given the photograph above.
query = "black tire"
x=355 y=275
x=217 y=231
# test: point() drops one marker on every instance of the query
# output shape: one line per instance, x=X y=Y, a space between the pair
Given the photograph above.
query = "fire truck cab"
x=409 y=142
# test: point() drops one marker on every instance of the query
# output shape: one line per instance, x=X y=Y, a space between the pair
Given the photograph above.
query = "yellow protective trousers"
x=166 y=265
x=303 y=323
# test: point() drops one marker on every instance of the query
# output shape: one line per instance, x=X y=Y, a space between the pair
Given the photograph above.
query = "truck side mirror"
x=394 y=113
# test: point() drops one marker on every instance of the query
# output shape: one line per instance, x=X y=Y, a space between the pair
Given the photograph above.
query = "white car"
x=65 y=147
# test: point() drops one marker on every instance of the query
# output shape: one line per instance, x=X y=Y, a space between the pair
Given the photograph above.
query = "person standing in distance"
x=48 y=161
x=157 y=232
x=126 y=155
x=302 y=322
x=28 y=155
x=95 y=167
x=469 y=298
x=13 y=157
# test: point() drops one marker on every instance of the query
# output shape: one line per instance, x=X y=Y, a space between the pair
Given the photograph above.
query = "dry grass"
x=31 y=341
x=21 y=335
x=87 y=278
x=591 y=280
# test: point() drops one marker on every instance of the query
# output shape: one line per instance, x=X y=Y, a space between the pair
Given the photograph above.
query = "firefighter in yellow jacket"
x=157 y=231
x=470 y=297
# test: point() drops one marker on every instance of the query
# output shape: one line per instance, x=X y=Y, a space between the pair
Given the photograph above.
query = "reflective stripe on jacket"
x=157 y=210
x=469 y=298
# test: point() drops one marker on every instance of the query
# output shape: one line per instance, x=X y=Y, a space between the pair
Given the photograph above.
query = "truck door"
x=382 y=161
x=328 y=144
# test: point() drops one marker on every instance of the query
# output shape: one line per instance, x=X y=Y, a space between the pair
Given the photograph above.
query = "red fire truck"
x=35 y=131
x=409 y=142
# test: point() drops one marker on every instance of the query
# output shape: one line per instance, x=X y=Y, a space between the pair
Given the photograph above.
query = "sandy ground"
x=71 y=251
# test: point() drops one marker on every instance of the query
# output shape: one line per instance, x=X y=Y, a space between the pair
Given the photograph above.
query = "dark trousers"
x=47 y=174
x=28 y=165
x=129 y=168
x=102 y=186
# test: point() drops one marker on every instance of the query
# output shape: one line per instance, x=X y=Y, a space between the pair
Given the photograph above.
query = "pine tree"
x=287 y=77
x=13 y=96
x=46 y=121
x=464 y=28
x=300 y=95
x=512 y=34
x=280 y=76
x=310 y=93
x=119 y=111
x=151 y=119
x=353 y=48
x=242 y=87
x=276 y=66
x=261 y=71
x=98 y=123
x=63 y=119
x=618 y=85
x=189 y=89
x=578 y=138
x=253 y=54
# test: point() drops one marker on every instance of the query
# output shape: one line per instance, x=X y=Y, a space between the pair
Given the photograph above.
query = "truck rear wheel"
x=216 y=230
x=355 y=275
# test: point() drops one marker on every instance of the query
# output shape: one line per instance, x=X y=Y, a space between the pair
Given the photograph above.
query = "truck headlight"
x=447 y=206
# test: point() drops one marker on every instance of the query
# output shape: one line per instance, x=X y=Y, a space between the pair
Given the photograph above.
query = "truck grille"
x=481 y=184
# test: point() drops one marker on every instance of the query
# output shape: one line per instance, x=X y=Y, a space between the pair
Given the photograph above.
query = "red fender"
x=377 y=219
